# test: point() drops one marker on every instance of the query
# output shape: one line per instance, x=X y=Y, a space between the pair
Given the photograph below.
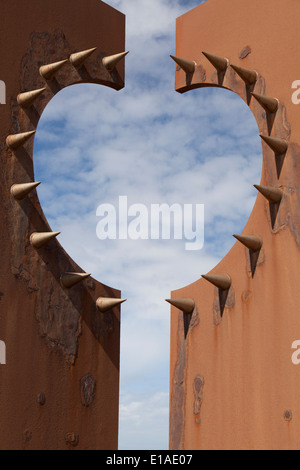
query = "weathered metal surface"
x=54 y=336
x=88 y=389
x=249 y=398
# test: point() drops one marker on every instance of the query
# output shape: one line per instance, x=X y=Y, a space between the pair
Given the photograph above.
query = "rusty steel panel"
x=59 y=388
x=233 y=384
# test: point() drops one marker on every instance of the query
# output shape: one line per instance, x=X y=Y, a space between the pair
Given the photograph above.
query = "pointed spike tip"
x=252 y=242
x=27 y=98
x=220 y=63
x=269 y=104
x=110 y=62
x=69 y=280
x=188 y=66
x=78 y=58
x=185 y=305
x=14 y=141
x=248 y=76
x=222 y=281
x=105 y=304
x=273 y=195
x=278 y=146
x=49 y=70
x=39 y=239
x=20 y=191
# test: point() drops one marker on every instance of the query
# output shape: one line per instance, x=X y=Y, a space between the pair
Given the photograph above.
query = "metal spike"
x=104 y=304
x=188 y=66
x=20 y=191
x=222 y=281
x=269 y=104
x=111 y=61
x=185 y=305
x=47 y=71
x=78 y=58
x=14 y=141
x=39 y=239
x=278 y=146
x=248 y=76
x=27 y=98
x=274 y=195
x=250 y=241
x=69 y=280
x=220 y=63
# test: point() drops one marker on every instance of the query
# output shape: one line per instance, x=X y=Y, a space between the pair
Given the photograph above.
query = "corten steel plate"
x=59 y=388
x=233 y=384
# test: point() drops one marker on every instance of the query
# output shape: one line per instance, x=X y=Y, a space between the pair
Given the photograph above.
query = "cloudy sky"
x=154 y=146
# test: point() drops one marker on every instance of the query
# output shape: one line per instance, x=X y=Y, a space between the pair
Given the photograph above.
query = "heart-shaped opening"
x=92 y=147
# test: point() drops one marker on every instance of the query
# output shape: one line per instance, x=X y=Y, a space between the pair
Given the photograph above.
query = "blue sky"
x=155 y=146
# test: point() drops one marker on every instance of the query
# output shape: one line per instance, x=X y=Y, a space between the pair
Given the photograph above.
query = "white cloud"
x=142 y=419
x=153 y=145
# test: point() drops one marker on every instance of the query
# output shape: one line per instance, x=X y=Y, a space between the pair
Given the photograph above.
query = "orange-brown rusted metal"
x=59 y=388
x=233 y=384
